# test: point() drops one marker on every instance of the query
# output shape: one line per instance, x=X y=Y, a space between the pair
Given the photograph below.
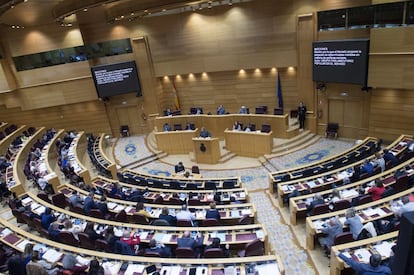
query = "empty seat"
x=85 y=241
x=178 y=127
x=124 y=130
x=60 y=200
x=332 y=130
x=195 y=169
x=341 y=238
x=210 y=222
x=213 y=253
x=266 y=128
x=184 y=252
x=320 y=209
x=184 y=223
x=253 y=248
x=341 y=204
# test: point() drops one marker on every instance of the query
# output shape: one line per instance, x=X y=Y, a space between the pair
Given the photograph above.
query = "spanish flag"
x=176 y=100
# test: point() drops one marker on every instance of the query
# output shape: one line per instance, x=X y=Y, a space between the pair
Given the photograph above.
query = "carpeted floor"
x=129 y=151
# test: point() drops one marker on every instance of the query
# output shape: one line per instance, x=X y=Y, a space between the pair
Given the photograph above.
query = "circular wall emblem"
x=130 y=149
x=313 y=157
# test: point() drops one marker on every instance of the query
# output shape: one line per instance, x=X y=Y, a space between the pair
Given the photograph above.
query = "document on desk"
x=111 y=205
x=201 y=270
x=349 y=193
x=384 y=249
x=266 y=269
x=119 y=208
x=318 y=224
x=246 y=212
x=134 y=268
x=229 y=270
x=111 y=268
x=52 y=255
x=363 y=255
x=166 y=270
x=260 y=234
x=26 y=201
x=175 y=270
x=22 y=244
x=81 y=260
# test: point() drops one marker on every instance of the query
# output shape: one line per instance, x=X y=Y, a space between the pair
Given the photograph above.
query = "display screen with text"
x=115 y=79
x=344 y=61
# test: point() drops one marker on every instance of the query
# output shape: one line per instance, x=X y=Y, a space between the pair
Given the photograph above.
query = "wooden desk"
x=17 y=236
x=248 y=144
x=376 y=210
x=337 y=264
x=217 y=124
x=211 y=154
x=110 y=165
x=78 y=149
x=176 y=142
x=298 y=207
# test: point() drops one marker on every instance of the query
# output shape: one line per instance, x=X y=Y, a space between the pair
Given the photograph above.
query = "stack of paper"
x=384 y=249
x=260 y=234
x=266 y=269
x=111 y=268
x=363 y=255
x=134 y=268
x=82 y=261
x=52 y=255
x=246 y=212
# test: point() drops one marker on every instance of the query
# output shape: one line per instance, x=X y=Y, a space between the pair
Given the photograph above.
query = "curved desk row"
x=323 y=181
x=17 y=238
x=148 y=180
x=236 y=236
x=230 y=214
x=362 y=250
x=152 y=195
x=96 y=151
x=368 y=212
x=298 y=205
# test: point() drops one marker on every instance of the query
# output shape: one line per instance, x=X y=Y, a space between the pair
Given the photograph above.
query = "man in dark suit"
x=161 y=249
x=301 y=115
x=89 y=203
x=317 y=200
x=388 y=156
x=187 y=241
x=213 y=213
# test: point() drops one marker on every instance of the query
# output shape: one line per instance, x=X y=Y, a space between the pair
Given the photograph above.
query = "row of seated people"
x=378 y=217
x=99 y=162
x=132 y=177
x=262 y=109
x=360 y=151
x=7 y=131
x=66 y=159
x=175 y=215
x=124 y=191
x=29 y=256
x=400 y=147
x=12 y=151
x=397 y=180
x=73 y=231
x=35 y=168
x=373 y=255
x=363 y=169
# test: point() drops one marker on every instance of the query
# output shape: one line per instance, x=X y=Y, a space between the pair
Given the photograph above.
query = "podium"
x=206 y=150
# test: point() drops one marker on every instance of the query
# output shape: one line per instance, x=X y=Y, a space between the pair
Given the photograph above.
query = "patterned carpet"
x=132 y=149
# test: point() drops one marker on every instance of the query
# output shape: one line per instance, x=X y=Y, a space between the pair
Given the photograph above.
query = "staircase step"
x=294 y=148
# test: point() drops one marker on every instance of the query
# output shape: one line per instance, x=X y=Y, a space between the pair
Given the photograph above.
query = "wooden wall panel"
x=392 y=58
x=392 y=113
x=4 y=86
x=232 y=89
x=45 y=38
x=88 y=116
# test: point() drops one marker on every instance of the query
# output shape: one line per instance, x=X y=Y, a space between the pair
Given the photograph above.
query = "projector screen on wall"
x=116 y=79
x=341 y=61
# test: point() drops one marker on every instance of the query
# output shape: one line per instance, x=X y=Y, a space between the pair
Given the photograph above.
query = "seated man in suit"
x=317 y=200
x=187 y=241
x=221 y=110
x=388 y=156
x=165 y=215
x=216 y=244
x=213 y=213
x=89 y=203
x=243 y=110
x=331 y=228
x=159 y=248
x=166 y=127
x=204 y=133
